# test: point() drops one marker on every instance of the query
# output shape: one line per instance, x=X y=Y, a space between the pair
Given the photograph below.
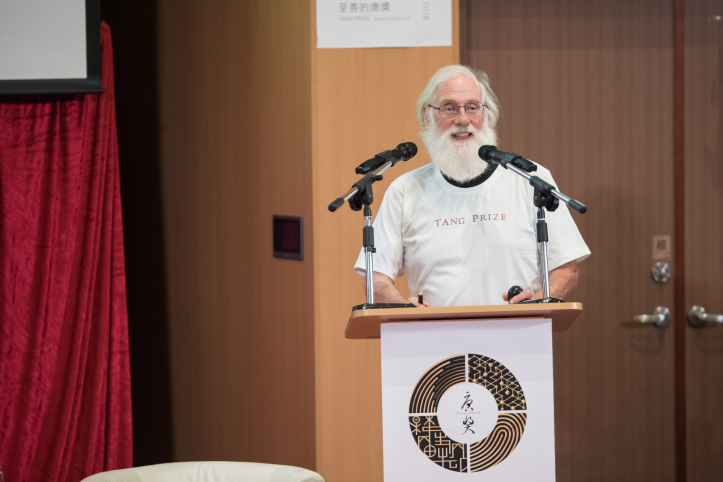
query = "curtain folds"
x=65 y=405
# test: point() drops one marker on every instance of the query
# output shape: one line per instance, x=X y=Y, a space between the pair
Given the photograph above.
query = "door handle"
x=660 y=317
x=697 y=317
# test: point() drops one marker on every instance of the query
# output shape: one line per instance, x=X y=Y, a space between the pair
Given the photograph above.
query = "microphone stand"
x=544 y=197
x=361 y=195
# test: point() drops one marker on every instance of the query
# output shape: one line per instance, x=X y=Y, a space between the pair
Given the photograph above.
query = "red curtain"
x=65 y=404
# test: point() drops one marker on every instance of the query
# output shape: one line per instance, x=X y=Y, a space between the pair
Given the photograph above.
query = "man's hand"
x=562 y=281
x=385 y=292
x=524 y=296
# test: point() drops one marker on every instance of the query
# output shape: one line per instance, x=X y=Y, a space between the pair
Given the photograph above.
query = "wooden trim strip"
x=364 y=324
x=679 y=196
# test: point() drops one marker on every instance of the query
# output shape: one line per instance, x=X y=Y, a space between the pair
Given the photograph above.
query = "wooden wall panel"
x=235 y=84
x=586 y=90
x=363 y=102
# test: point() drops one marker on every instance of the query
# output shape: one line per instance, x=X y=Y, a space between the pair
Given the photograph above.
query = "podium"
x=467 y=392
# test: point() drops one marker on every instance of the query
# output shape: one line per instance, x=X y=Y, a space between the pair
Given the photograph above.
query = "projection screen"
x=49 y=46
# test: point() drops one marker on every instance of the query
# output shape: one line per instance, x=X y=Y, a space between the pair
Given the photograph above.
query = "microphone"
x=492 y=154
x=403 y=152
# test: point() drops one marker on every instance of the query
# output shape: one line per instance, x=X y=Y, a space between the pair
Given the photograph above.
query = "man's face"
x=453 y=142
x=460 y=90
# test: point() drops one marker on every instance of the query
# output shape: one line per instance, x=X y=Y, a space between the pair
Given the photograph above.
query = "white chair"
x=208 y=472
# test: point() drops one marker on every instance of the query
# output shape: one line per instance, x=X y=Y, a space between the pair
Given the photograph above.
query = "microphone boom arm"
x=367 y=178
x=539 y=183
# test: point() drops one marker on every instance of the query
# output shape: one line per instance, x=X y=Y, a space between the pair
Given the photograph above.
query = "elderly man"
x=462 y=228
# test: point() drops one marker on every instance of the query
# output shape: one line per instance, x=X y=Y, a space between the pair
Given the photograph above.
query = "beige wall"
x=251 y=334
x=363 y=102
x=236 y=148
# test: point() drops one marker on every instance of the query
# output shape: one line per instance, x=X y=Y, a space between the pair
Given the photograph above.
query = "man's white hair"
x=491 y=112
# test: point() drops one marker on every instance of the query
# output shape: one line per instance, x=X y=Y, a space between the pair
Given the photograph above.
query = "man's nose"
x=461 y=118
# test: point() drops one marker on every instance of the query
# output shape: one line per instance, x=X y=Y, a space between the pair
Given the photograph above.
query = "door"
x=586 y=89
x=704 y=236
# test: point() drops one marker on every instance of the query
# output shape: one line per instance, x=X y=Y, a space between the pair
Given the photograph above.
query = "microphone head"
x=485 y=151
x=409 y=149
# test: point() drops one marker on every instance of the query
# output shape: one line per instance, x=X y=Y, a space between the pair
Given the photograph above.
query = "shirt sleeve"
x=565 y=242
x=389 y=257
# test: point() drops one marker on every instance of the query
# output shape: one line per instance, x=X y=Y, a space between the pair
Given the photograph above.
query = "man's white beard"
x=457 y=160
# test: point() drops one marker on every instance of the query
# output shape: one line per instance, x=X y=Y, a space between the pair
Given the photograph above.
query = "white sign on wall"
x=391 y=23
x=468 y=401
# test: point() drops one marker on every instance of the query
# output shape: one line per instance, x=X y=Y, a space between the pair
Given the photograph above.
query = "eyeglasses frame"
x=460 y=107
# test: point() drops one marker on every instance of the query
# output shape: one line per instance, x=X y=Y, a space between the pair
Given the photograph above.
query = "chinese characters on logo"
x=467 y=405
x=467 y=422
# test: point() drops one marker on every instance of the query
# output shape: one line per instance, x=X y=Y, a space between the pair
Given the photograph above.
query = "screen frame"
x=90 y=84
x=289 y=254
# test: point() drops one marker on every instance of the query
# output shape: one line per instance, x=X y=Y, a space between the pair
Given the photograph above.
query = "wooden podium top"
x=365 y=323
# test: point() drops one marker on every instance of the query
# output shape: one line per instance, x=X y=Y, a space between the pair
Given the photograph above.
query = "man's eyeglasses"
x=451 y=110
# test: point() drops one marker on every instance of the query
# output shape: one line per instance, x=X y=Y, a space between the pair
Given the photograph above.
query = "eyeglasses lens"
x=471 y=109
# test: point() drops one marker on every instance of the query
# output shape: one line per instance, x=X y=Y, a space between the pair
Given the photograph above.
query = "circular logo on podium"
x=467 y=413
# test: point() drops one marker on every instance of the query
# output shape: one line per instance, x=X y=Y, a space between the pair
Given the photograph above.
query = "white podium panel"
x=468 y=400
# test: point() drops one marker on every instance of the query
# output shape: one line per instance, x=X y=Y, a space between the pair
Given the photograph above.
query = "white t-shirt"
x=466 y=246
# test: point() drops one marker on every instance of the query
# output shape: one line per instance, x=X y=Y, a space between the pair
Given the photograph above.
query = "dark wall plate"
x=288 y=237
